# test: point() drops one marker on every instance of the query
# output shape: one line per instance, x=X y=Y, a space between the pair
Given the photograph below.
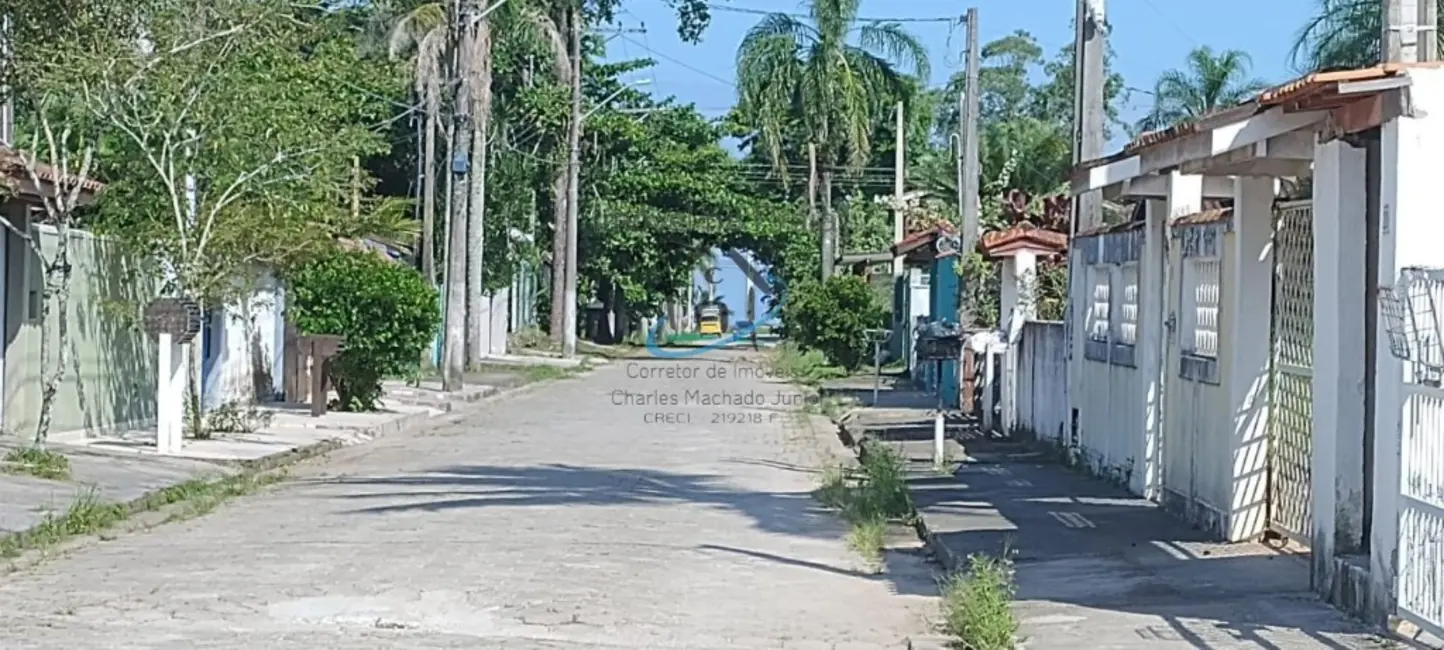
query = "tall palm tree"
x=832 y=77
x=1210 y=81
x=422 y=35
x=1342 y=34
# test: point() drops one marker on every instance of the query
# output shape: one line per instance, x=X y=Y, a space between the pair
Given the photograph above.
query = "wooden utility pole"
x=968 y=138
x=899 y=188
x=1088 y=46
x=574 y=172
x=453 y=344
x=1410 y=31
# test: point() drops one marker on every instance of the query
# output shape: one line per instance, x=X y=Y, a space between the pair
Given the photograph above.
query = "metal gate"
x=1291 y=411
x=1414 y=327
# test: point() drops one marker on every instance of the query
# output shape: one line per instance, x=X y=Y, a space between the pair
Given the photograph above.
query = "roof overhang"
x=1272 y=135
x=1194 y=153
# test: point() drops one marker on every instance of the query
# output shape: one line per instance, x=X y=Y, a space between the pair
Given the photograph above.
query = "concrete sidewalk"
x=1101 y=569
x=123 y=467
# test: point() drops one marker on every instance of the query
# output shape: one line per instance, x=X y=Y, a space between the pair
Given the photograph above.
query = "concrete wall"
x=247 y=346
x=1043 y=381
x=110 y=378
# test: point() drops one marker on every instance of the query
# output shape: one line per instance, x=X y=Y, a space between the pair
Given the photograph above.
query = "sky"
x=1148 y=37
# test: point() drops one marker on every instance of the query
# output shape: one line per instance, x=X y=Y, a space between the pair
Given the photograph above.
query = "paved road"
x=567 y=518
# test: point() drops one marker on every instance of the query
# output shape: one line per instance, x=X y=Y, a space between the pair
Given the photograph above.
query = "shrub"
x=386 y=311
x=832 y=317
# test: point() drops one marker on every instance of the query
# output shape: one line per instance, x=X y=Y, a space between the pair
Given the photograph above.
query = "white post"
x=169 y=395
x=1249 y=276
x=939 y=438
x=987 y=383
x=1338 y=368
x=1018 y=306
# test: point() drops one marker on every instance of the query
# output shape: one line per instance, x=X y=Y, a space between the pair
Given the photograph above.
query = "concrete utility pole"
x=574 y=172
x=1088 y=81
x=1410 y=31
x=968 y=139
x=899 y=188
x=453 y=343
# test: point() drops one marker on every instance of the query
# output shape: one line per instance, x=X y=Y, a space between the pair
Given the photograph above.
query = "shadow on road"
x=481 y=486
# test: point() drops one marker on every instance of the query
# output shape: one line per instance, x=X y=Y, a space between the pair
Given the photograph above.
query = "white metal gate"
x=1414 y=333
x=1291 y=412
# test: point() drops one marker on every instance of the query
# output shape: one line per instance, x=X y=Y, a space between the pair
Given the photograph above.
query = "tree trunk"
x=428 y=201
x=559 y=254
x=478 y=324
x=57 y=284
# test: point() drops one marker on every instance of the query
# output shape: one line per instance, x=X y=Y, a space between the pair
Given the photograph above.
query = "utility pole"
x=968 y=185
x=574 y=172
x=1088 y=46
x=1410 y=31
x=898 y=189
x=453 y=344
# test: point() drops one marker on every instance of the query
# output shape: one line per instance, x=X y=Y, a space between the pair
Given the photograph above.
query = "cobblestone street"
x=649 y=504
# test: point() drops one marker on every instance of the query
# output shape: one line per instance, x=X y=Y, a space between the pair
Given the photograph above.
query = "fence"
x=1042 y=403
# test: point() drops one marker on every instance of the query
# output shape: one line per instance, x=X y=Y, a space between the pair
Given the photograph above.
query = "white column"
x=1249 y=278
x=1152 y=278
x=1410 y=232
x=1339 y=223
x=1018 y=306
x=169 y=395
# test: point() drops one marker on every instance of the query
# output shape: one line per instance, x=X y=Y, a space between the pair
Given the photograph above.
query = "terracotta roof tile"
x=12 y=164
x=1024 y=235
x=1206 y=216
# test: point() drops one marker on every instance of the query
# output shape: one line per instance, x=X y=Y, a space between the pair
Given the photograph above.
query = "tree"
x=1210 y=82
x=1342 y=34
x=207 y=196
x=422 y=33
x=61 y=186
x=791 y=73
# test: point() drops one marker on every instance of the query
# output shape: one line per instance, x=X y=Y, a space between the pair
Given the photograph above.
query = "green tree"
x=1211 y=80
x=792 y=74
x=1342 y=34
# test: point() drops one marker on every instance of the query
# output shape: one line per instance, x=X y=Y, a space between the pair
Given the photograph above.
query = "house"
x=1246 y=365
x=109 y=381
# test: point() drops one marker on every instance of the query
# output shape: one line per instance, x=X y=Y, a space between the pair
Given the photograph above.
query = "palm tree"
x=1342 y=34
x=793 y=73
x=1210 y=82
x=422 y=34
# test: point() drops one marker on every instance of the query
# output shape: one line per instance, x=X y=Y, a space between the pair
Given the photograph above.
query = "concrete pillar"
x=171 y=373
x=1152 y=350
x=1248 y=274
x=1019 y=305
x=1411 y=152
x=1338 y=372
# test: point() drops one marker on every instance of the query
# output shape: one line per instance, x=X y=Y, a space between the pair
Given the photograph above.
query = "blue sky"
x=1148 y=37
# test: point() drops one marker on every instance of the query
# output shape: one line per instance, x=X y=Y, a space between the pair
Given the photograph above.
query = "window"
x=1198 y=334
x=1127 y=330
x=1100 y=285
x=1099 y=301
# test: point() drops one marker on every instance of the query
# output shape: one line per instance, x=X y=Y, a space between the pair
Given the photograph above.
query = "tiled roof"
x=1024 y=235
x=13 y=165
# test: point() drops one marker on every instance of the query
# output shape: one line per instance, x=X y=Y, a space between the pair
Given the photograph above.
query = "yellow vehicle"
x=709 y=320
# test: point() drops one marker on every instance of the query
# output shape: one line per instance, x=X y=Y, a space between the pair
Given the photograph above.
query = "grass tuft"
x=977 y=605
x=868 y=500
x=37 y=462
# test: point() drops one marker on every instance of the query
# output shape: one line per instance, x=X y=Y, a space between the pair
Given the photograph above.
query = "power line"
x=684 y=64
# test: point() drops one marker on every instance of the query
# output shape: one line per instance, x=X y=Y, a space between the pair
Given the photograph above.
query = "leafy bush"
x=831 y=317
x=386 y=311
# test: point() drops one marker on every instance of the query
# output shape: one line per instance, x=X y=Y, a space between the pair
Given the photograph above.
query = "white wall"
x=1042 y=405
x=249 y=343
